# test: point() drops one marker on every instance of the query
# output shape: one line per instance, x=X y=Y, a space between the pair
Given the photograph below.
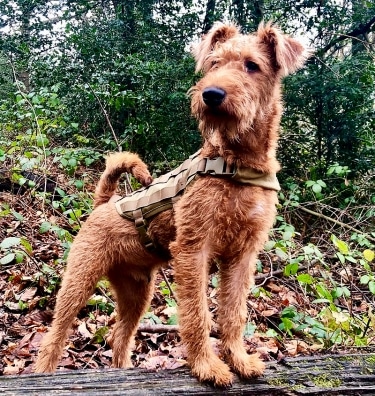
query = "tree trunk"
x=209 y=18
x=320 y=375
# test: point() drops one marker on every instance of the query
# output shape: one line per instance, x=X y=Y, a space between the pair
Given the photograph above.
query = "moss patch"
x=326 y=381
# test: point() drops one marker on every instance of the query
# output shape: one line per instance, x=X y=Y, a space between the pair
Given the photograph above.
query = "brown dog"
x=238 y=105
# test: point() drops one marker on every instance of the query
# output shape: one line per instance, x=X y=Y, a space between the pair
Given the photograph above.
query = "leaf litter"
x=28 y=293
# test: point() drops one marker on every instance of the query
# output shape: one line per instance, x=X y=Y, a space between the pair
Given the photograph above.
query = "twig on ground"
x=157 y=328
x=167 y=283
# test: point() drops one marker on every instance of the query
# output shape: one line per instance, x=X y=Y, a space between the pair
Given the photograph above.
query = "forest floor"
x=288 y=315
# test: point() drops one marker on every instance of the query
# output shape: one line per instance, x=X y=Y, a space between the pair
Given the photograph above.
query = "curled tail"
x=117 y=164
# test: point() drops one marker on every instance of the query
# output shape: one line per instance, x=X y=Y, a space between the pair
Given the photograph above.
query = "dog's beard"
x=231 y=127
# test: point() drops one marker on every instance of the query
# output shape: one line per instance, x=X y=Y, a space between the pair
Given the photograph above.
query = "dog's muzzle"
x=213 y=96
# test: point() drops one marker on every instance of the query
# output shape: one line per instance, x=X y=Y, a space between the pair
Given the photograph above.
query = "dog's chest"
x=218 y=203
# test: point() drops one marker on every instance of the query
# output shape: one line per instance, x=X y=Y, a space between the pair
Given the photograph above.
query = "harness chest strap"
x=165 y=191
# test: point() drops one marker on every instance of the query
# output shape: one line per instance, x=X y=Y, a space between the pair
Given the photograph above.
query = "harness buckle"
x=217 y=167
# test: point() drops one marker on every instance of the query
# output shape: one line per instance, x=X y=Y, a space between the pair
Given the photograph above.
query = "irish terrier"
x=218 y=218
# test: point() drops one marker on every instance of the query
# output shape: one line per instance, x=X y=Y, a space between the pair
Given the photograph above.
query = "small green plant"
x=102 y=303
x=331 y=323
x=69 y=159
x=165 y=290
x=346 y=254
x=49 y=277
x=281 y=241
x=369 y=278
x=14 y=249
x=154 y=319
x=317 y=187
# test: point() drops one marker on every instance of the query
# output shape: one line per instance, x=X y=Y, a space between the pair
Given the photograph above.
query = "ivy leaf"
x=100 y=334
x=305 y=278
x=317 y=188
x=9 y=242
x=341 y=245
x=79 y=184
x=44 y=227
x=281 y=254
x=340 y=257
x=249 y=329
x=321 y=300
x=369 y=255
x=42 y=140
x=287 y=235
x=291 y=269
x=173 y=320
x=269 y=245
x=289 y=312
x=64 y=162
x=323 y=292
x=72 y=162
x=371 y=286
x=286 y=325
x=18 y=216
x=26 y=244
x=351 y=259
x=7 y=259
x=215 y=282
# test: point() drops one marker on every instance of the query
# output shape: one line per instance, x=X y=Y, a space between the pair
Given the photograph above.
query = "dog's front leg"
x=236 y=278
x=191 y=274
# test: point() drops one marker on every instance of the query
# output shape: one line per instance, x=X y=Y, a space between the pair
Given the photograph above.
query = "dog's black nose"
x=213 y=96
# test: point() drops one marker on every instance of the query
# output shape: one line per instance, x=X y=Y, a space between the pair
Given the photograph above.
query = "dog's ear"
x=219 y=33
x=287 y=53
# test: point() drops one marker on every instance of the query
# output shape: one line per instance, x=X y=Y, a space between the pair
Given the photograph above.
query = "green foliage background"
x=130 y=59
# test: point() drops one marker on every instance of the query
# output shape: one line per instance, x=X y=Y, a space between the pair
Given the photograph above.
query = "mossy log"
x=320 y=375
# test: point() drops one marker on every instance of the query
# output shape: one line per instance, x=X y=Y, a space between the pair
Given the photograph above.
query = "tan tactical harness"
x=141 y=205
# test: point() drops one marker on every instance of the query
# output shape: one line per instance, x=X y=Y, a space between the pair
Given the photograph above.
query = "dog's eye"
x=251 y=66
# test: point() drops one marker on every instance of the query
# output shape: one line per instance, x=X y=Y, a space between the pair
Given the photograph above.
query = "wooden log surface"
x=319 y=375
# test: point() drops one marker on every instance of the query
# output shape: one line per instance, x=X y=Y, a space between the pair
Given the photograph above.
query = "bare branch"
x=362 y=29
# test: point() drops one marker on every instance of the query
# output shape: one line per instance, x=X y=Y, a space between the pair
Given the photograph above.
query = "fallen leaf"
x=169 y=311
x=108 y=353
x=13 y=306
x=269 y=312
x=274 y=287
x=82 y=330
x=291 y=347
x=28 y=294
x=11 y=370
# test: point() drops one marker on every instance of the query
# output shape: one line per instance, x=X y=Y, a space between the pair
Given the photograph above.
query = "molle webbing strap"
x=157 y=196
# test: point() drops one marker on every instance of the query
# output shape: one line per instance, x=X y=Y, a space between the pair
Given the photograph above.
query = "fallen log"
x=319 y=375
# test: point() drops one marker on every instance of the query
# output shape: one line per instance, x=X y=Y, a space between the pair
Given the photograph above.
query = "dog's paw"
x=49 y=353
x=46 y=361
x=214 y=371
x=247 y=366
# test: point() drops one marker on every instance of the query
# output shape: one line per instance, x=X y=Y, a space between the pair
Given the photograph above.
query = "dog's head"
x=241 y=78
